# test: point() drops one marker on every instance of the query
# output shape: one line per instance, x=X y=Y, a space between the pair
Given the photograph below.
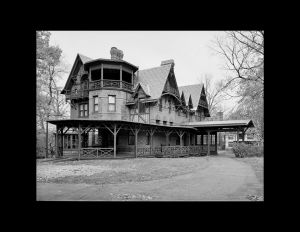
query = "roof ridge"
x=189 y=85
x=155 y=67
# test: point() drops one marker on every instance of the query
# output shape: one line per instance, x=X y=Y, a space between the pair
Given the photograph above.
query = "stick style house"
x=120 y=111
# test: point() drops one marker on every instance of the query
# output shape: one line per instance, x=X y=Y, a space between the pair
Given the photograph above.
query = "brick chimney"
x=220 y=116
x=165 y=62
x=116 y=54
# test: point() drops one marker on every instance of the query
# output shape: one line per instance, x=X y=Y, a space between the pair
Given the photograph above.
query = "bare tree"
x=243 y=54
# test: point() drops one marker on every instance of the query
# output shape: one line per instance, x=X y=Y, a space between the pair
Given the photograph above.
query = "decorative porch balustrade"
x=99 y=85
x=76 y=94
x=97 y=152
x=170 y=150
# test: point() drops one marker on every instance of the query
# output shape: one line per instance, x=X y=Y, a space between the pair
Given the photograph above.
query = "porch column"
x=62 y=142
x=151 y=143
x=208 y=142
x=243 y=134
x=216 y=145
x=120 y=76
x=46 y=139
x=135 y=142
x=115 y=140
x=180 y=139
x=56 y=142
x=101 y=82
x=79 y=140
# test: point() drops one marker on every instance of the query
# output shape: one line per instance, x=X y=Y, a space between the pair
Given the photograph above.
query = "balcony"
x=76 y=94
x=171 y=90
x=101 y=84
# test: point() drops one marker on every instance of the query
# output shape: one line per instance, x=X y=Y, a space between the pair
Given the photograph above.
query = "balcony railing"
x=171 y=90
x=77 y=94
x=116 y=84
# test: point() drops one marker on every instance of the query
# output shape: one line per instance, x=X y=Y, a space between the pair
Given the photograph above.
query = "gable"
x=190 y=102
x=183 y=99
x=154 y=78
x=77 y=69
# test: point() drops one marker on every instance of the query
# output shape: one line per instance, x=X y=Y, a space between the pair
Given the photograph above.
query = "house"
x=231 y=138
x=120 y=111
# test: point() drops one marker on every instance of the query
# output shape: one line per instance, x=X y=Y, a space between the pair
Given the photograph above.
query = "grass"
x=258 y=165
x=117 y=171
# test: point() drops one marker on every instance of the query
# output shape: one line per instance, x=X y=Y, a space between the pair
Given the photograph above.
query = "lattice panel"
x=142 y=151
x=106 y=153
x=89 y=152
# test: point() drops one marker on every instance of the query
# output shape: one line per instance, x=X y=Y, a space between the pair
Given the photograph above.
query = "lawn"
x=258 y=165
x=117 y=171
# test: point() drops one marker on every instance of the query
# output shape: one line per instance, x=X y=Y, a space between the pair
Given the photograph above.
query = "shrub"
x=242 y=150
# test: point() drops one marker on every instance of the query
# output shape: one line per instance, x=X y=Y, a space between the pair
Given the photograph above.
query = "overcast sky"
x=146 y=49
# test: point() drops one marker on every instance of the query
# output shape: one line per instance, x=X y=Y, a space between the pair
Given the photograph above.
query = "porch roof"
x=97 y=121
x=230 y=124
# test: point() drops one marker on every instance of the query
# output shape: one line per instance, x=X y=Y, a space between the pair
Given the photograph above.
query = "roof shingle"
x=194 y=91
x=154 y=79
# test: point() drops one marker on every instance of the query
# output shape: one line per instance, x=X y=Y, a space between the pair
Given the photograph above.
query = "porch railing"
x=169 y=150
x=97 y=152
x=99 y=85
x=76 y=94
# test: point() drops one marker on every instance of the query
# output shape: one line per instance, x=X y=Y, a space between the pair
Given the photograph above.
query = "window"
x=230 y=137
x=250 y=137
x=179 y=112
x=171 y=123
x=157 y=121
x=96 y=103
x=178 y=141
x=205 y=139
x=199 y=139
x=186 y=114
x=130 y=138
x=160 y=104
x=170 y=109
x=83 y=110
x=141 y=108
x=240 y=136
x=164 y=122
x=74 y=141
x=111 y=103
x=67 y=142
x=212 y=139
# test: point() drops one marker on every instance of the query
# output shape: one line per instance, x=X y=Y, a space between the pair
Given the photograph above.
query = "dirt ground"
x=116 y=171
x=214 y=178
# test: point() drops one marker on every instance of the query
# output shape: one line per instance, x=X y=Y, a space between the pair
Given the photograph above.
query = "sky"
x=147 y=49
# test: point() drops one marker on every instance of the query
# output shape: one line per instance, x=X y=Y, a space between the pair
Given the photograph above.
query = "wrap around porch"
x=144 y=140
